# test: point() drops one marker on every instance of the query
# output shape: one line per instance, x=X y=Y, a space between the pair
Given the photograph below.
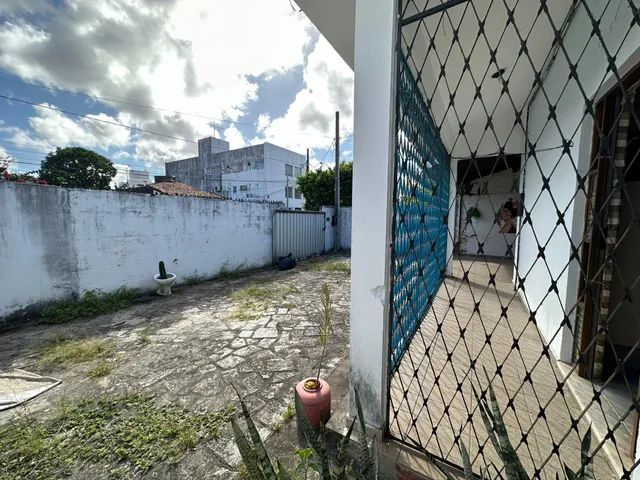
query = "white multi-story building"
x=127 y=177
x=260 y=172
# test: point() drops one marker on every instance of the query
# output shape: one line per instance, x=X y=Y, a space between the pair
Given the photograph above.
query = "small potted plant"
x=314 y=392
x=164 y=280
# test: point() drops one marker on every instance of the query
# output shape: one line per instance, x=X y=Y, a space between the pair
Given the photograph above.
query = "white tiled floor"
x=454 y=366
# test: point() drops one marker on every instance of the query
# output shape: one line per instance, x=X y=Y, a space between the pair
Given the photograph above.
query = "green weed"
x=255 y=298
x=289 y=413
x=194 y=279
x=92 y=304
x=334 y=266
x=129 y=432
x=227 y=274
x=102 y=369
x=62 y=351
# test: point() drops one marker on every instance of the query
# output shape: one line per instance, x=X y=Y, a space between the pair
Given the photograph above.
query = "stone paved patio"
x=186 y=349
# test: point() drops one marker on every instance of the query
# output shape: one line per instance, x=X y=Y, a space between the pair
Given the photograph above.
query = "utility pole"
x=336 y=227
x=307 y=160
x=286 y=192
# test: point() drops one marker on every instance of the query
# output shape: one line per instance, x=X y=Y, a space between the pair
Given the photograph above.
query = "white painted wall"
x=270 y=182
x=58 y=242
x=484 y=229
x=345 y=228
x=570 y=109
x=372 y=198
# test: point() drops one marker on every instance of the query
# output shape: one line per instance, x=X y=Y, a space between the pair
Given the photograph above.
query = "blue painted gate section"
x=421 y=204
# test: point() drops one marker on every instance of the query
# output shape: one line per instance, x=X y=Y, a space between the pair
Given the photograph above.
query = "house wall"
x=191 y=172
x=61 y=242
x=138 y=177
x=500 y=187
x=570 y=108
x=268 y=180
x=345 y=228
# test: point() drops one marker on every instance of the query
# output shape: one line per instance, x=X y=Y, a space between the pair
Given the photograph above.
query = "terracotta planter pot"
x=317 y=403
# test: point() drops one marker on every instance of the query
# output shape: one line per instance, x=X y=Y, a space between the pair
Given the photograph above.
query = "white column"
x=453 y=217
x=375 y=69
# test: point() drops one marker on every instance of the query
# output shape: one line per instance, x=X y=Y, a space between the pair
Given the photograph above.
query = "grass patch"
x=65 y=351
x=129 y=432
x=144 y=337
x=101 y=369
x=254 y=299
x=228 y=274
x=91 y=304
x=194 y=279
x=339 y=266
x=289 y=413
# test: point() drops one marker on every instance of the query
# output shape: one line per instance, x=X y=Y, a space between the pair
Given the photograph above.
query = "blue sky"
x=179 y=68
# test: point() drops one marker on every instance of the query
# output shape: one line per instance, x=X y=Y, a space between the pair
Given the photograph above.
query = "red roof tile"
x=178 y=189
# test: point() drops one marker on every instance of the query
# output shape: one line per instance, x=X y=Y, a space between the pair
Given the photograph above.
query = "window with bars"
x=516 y=215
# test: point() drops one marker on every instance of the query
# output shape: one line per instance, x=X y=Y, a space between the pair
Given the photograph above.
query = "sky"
x=247 y=71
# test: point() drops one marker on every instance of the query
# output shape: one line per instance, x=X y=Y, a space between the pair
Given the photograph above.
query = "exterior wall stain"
x=61 y=242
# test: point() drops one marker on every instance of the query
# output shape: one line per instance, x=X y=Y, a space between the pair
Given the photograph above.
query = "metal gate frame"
x=298 y=232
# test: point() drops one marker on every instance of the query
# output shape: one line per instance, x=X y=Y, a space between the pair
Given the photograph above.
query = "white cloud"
x=234 y=137
x=121 y=155
x=263 y=122
x=184 y=55
x=50 y=129
x=328 y=88
x=4 y=154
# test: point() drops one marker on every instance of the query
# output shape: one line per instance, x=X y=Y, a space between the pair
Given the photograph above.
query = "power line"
x=247 y=180
x=117 y=124
x=333 y=142
x=147 y=106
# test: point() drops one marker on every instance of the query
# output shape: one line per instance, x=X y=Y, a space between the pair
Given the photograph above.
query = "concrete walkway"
x=258 y=331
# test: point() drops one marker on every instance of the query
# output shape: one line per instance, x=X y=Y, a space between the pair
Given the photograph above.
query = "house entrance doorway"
x=607 y=335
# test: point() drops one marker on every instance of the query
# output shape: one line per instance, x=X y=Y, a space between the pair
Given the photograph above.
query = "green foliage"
x=194 y=279
x=473 y=212
x=226 y=273
x=77 y=167
x=586 y=461
x=334 y=266
x=499 y=437
x=163 y=271
x=92 y=303
x=254 y=299
x=257 y=464
x=318 y=187
x=289 y=413
x=101 y=369
x=129 y=431
x=63 y=351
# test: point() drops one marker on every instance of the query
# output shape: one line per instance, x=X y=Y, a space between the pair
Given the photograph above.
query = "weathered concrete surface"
x=184 y=349
x=63 y=241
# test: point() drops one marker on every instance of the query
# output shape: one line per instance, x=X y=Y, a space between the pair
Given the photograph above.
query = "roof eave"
x=336 y=20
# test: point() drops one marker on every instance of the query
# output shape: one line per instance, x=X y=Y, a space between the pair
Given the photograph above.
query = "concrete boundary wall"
x=58 y=242
x=345 y=228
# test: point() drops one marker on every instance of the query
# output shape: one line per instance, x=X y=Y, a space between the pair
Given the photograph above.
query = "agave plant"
x=499 y=437
x=260 y=466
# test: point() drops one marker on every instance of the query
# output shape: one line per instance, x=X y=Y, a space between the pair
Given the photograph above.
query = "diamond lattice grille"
x=516 y=221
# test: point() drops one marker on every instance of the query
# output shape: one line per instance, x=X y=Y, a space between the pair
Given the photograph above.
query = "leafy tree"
x=5 y=160
x=318 y=187
x=77 y=167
